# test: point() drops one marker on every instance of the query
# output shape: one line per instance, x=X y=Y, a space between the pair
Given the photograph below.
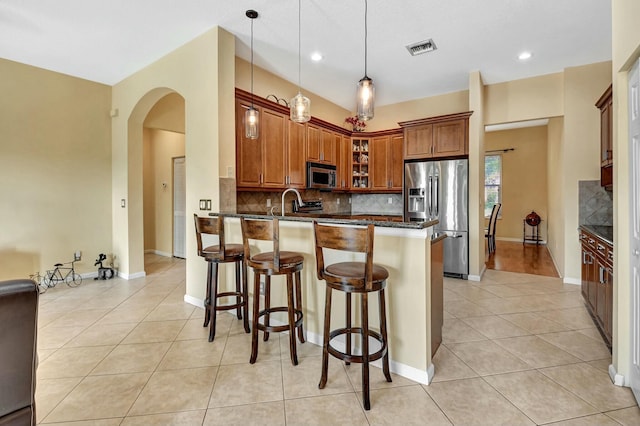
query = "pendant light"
x=300 y=104
x=251 y=115
x=366 y=90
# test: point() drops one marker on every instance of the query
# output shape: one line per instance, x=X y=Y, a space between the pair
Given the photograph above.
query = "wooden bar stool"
x=221 y=253
x=352 y=277
x=271 y=263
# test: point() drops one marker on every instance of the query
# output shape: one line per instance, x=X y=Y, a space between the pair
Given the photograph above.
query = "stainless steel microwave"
x=321 y=176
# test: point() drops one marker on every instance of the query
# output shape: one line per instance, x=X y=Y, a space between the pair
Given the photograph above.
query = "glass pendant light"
x=366 y=89
x=300 y=104
x=251 y=115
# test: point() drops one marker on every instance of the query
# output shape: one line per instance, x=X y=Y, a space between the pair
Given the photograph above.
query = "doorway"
x=179 y=208
x=634 y=215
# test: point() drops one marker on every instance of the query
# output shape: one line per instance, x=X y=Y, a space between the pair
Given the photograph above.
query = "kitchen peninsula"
x=403 y=248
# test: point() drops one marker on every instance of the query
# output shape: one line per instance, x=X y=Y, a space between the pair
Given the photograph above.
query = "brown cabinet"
x=386 y=163
x=277 y=158
x=597 y=281
x=321 y=145
x=605 y=104
x=437 y=137
x=343 y=178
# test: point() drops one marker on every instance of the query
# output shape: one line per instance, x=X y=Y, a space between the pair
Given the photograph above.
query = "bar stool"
x=221 y=253
x=271 y=263
x=352 y=277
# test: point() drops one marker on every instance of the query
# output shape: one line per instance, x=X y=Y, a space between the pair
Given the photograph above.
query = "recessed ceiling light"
x=524 y=56
x=316 y=56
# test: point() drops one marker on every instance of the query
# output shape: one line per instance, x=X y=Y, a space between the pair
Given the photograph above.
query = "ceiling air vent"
x=421 y=47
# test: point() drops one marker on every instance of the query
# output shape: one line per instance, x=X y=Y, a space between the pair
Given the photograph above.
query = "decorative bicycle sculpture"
x=61 y=273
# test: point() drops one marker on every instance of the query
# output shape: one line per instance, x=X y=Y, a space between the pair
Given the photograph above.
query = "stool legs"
x=364 y=314
x=213 y=267
x=267 y=304
x=292 y=321
x=325 y=340
x=348 y=324
x=299 y=304
x=211 y=301
x=383 y=332
x=256 y=314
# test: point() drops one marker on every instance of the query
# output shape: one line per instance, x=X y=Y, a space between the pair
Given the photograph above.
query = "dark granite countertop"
x=604 y=232
x=353 y=219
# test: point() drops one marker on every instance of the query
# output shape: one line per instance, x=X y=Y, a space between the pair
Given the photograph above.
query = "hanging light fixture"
x=366 y=90
x=300 y=104
x=251 y=115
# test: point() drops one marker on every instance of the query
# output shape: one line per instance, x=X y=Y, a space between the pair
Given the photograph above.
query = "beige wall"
x=626 y=50
x=583 y=86
x=167 y=114
x=265 y=84
x=555 y=202
x=526 y=99
x=55 y=157
x=388 y=116
x=205 y=94
x=476 y=176
x=159 y=150
x=524 y=178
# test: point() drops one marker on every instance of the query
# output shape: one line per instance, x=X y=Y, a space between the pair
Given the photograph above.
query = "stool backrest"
x=213 y=225
x=493 y=219
x=261 y=230
x=344 y=238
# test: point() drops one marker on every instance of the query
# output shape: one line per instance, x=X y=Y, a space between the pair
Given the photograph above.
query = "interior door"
x=634 y=215
x=179 y=207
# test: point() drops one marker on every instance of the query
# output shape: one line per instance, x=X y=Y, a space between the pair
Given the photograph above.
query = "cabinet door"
x=587 y=261
x=248 y=152
x=601 y=299
x=328 y=147
x=593 y=282
x=296 y=155
x=378 y=164
x=608 y=311
x=344 y=163
x=313 y=143
x=605 y=135
x=396 y=163
x=418 y=141
x=273 y=134
x=449 y=138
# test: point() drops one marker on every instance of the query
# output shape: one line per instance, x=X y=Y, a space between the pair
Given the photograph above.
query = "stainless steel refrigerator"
x=439 y=189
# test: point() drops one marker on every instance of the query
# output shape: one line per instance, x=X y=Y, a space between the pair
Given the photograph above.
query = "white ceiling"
x=106 y=41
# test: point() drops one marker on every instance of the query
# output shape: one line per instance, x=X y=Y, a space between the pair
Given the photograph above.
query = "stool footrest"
x=232 y=306
x=356 y=358
x=279 y=328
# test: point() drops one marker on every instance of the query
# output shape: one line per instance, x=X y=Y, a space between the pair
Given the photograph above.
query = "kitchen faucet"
x=297 y=194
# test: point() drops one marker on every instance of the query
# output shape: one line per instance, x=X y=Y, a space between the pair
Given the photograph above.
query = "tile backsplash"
x=332 y=202
x=595 y=204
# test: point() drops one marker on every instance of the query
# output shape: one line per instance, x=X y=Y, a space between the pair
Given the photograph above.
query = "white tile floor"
x=517 y=349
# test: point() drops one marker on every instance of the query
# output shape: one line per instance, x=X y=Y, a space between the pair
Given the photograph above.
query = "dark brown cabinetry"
x=321 y=145
x=437 y=137
x=386 y=163
x=597 y=281
x=344 y=164
x=261 y=162
x=605 y=104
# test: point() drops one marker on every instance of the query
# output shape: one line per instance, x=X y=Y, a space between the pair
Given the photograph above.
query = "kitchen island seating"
x=352 y=277
x=214 y=255
x=267 y=264
x=490 y=232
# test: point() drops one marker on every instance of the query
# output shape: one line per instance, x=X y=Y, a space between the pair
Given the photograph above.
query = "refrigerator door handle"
x=430 y=199
x=437 y=195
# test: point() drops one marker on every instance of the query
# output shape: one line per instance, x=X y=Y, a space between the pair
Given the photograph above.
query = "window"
x=492 y=182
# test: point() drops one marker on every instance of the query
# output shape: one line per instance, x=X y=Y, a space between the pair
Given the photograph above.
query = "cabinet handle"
x=600 y=247
x=584 y=258
x=601 y=274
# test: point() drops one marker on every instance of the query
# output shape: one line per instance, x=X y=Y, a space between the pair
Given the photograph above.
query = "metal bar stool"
x=221 y=253
x=352 y=277
x=271 y=263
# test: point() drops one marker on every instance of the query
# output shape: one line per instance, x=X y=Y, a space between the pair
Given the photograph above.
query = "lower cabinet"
x=597 y=281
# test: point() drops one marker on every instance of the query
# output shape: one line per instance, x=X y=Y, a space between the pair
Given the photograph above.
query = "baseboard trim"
x=406 y=371
x=519 y=240
x=133 y=276
x=159 y=253
x=571 y=280
x=617 y=379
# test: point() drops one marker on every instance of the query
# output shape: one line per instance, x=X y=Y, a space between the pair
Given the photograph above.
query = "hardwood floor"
x=516 y=257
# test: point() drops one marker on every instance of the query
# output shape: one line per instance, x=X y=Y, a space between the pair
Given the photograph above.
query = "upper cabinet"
x=386 y=163
x=322 y=145
x=605 y=104
x=437 y=137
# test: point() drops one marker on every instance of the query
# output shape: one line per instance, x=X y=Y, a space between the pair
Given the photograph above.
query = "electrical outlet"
x=349 y=200
x=338 y=201
x=390 y=200
x=268 y=202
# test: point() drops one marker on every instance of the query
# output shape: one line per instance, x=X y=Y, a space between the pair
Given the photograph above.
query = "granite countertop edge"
x=308 y=218
x=602 y=231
